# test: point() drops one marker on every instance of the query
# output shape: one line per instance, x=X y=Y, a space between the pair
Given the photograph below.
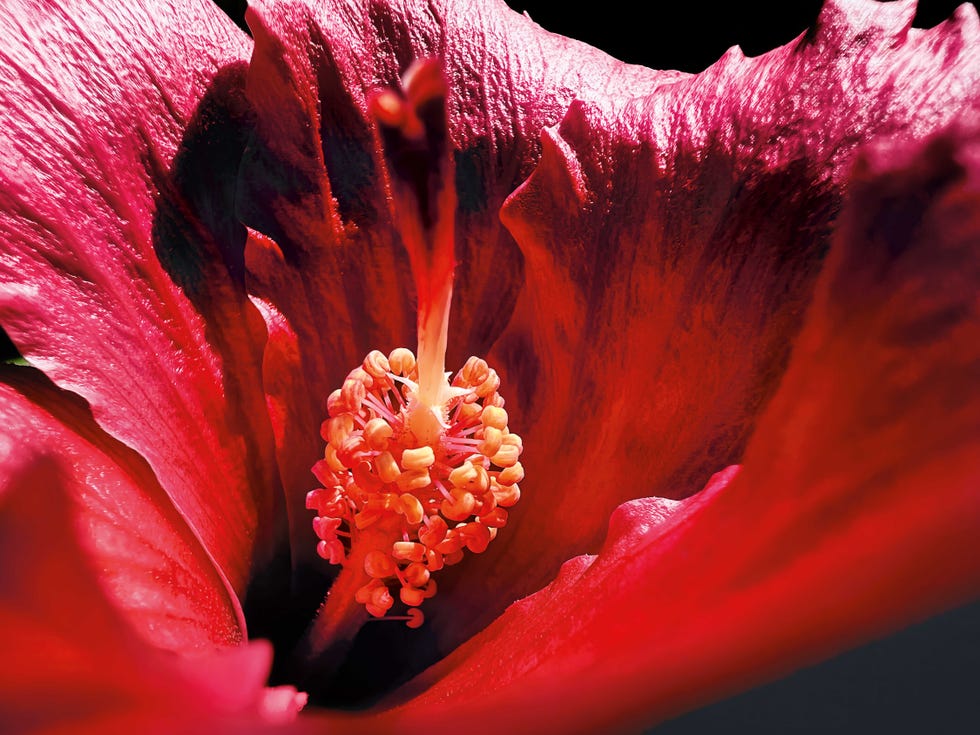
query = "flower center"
x=417 y=470
x=416 y=502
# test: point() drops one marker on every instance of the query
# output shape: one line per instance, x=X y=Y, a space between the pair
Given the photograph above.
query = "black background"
x=925 y=679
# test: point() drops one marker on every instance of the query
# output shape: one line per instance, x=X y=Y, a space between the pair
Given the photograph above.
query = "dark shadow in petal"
x=196 y=234
x=8 y=350
x=201 y=245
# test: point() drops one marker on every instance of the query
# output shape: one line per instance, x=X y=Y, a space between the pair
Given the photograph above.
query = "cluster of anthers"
x=415 y=502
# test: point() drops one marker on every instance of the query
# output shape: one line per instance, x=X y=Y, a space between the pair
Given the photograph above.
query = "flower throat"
x=417 y=469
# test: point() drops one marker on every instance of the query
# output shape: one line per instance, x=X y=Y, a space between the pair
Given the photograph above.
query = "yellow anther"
x=335 y=403
x=460 y=507
x=389 y=501
x=475 y=371
x=496 y=518
x=434 y=531
x=353 y=443
x=418 y=459
x=451 y=544
x=487 y=502
x=363 y=594
x=353 y=450
x=415 y=618
x=433 y=560
x=514 y=440
x=463 y=476
x=337 y=429
x=417 y=574
x=495 y=417
x=507 y=456
x=494 y=399
x=361 y=376
x=411 y=596
x=489 y=385
x=332 y=551
x=514 y=473
x=379 y=565
x=476 y=536
x=482 y=482
x=468 y=411
x=414 y=480
x=507 y=495
x=353 y=394
x=333 y=462
x=408 y=551
x=377 y=432
x=411 y=507
x=380 y=602
x=455 y=558
x=386 y=467
x=492 y=440
x=376 y=365
x=402 y=361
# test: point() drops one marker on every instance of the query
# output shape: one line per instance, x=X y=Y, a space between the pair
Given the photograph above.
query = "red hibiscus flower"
x=770 y=264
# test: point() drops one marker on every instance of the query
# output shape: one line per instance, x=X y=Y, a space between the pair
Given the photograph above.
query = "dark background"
x=690 y=35
x=923 y=680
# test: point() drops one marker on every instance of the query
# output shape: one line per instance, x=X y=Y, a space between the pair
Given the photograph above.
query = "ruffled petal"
x=70 y=663
x=154 y=569
x=313 y=181
x=121 y=129
x=671 y=245
x=856 y=511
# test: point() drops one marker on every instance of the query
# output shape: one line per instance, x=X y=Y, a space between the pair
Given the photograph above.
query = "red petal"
x=122 y=274
x=314 y=181
x=672 y=243
x=70 y=663
x=153 y=567
x=856 y=513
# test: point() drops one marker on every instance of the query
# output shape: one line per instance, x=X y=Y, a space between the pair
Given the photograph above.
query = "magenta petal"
x=70 y=662
x=856 y=512
x=671 y=245
x=121 y=128
x=155 y=570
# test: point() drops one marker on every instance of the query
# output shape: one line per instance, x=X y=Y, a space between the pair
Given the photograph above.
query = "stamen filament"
x=379 y=407
x=407 y=473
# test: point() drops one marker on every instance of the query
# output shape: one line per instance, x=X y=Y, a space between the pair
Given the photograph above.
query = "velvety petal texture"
x=856 y=511
x=71 y=663
x=121 y=273
x=154 y=568
x=671 y=244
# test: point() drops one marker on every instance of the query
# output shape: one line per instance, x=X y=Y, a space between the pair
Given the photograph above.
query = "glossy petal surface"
x=856 y=511
x=671 y=245
x=121 y=274
x=154 y=569
x=71 y=664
